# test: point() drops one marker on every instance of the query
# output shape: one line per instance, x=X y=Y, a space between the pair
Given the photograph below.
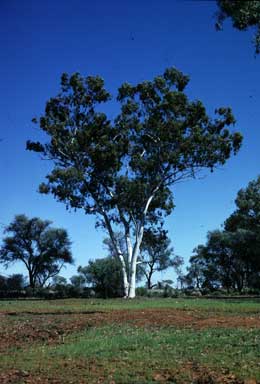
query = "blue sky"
x=122 y=41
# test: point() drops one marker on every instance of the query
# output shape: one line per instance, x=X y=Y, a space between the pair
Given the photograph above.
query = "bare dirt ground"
x=24 y=329
x=19 y=329
x=198 y=375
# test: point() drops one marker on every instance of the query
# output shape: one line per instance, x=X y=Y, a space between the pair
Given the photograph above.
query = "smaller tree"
x=231 y=258
x=43 y=250
x=59 y=281
x=78 y=281
x=244 y=224
x=104 y=275
x=16 y=282
x=206 y=265
x=156 y=255
x=223 y=261
x=195 y=276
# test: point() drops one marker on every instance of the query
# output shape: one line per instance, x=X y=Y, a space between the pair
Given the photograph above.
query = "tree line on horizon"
x=228 y=262
x=44 y=251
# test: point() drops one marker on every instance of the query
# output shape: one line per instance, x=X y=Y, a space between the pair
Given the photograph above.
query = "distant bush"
x=221 y=292
x=192 y=292
x=12 y=294
x=166 y=291
x=141 y=291
x=68 y=291
x=169 y=291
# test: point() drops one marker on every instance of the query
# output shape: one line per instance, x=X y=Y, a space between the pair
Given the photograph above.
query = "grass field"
x=140 y=341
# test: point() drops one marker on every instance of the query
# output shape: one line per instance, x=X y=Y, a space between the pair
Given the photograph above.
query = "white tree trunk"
x=129 y=249
x=124 y=271
x=131 y=294
x=118 y=252
x=135 y=253
x=132 y=274
x=129 y=274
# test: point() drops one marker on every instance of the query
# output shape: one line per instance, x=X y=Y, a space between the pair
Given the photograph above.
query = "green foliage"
x=244 y=15
x=104 y=276
x=14 y=282
x=121 y=170
x=158 y=137
x=78 y=281
x=43 y=250
x=244 y=224
x=141 y=291
x=120 y=240
x=156 y=255
x=231 y=258
x=223 y=262
x=247 y=214
x=59 y=281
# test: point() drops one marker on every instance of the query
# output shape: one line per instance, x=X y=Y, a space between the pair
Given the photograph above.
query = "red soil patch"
x=17 y=330
x=22 y=329
x=189 y=373
x=198 y=375
x=181 y=318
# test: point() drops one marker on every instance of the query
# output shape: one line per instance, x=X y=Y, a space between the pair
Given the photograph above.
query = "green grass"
x=136 y=353
x=238 y=306
x=125 y=353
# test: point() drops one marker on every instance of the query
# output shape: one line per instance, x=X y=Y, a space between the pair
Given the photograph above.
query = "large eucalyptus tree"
x=121 y=170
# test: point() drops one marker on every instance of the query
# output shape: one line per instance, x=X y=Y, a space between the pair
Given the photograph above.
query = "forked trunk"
x=132 y=275
x=124 y=272
x=129 y=265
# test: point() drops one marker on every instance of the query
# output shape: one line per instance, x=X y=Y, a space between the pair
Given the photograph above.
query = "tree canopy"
x=220 y=263
x=247 y=214
x=156 y=254
x=14 y=282
x=244 y=15
x=245 y=221
x=121 y=170
x=42 y=249
x=104 y=275
x=231 y=257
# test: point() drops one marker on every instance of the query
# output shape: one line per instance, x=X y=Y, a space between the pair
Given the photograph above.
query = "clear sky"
x=122 y=41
